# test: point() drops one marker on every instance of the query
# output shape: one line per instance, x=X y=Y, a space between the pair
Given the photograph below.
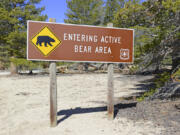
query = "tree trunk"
x=176 y=54
x=13 y=69
x=1 y=65
x=86 y=65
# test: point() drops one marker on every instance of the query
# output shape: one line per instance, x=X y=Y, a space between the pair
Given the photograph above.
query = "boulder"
x=169 y=91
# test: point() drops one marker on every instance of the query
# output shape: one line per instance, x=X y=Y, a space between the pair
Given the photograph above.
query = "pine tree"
x=161 y=17
x=88 y=12
x=131 y=14
x=14 y=15
x=111 y=7
x=165 y=17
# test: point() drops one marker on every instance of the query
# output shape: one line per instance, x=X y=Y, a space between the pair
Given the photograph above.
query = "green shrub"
x=63 y=63
x=24 y=64
x=146 y=94
x=133 y=69
x=176 y=75
x=160 y=81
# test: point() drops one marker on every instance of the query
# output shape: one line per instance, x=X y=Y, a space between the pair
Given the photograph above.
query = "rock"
x=170 y=91
x=177 y=106
x=62 y=69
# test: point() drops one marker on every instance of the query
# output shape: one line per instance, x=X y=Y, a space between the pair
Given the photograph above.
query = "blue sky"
x=55 y=9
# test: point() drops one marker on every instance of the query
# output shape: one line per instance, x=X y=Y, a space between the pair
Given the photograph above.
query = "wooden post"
x=110 y=96
x=53 y=91
x=53 y=95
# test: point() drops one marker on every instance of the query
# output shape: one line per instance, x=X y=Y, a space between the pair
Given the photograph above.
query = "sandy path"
x=24 y=103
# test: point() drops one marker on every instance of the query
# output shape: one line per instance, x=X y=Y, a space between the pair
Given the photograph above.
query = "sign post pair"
x=50 y=41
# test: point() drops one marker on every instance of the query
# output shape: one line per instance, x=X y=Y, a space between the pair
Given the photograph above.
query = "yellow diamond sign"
x=46 y=41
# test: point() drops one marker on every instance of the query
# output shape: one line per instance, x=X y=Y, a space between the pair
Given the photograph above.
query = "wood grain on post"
x=110 y=98
x=53 y=91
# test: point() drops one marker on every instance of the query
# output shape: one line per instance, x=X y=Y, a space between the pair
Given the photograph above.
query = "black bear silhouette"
x=45 y=39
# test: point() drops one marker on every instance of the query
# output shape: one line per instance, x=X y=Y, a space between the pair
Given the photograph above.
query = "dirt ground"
x=24 y=106
x=164 y=113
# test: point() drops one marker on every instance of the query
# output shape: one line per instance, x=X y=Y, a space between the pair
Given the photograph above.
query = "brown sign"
x=67 y=42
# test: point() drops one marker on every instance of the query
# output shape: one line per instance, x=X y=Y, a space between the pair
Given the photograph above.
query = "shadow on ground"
x=69 y=112
x=145 y=85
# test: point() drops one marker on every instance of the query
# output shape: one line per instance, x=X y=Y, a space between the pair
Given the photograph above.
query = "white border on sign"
x=82 y=26
x=27 y=40
x=133 y=47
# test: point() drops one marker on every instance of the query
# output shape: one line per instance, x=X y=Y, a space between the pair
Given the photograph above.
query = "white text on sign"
x=88 y=49
x=92 y=38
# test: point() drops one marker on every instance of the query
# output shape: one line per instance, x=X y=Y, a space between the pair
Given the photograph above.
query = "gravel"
x=164 y=113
